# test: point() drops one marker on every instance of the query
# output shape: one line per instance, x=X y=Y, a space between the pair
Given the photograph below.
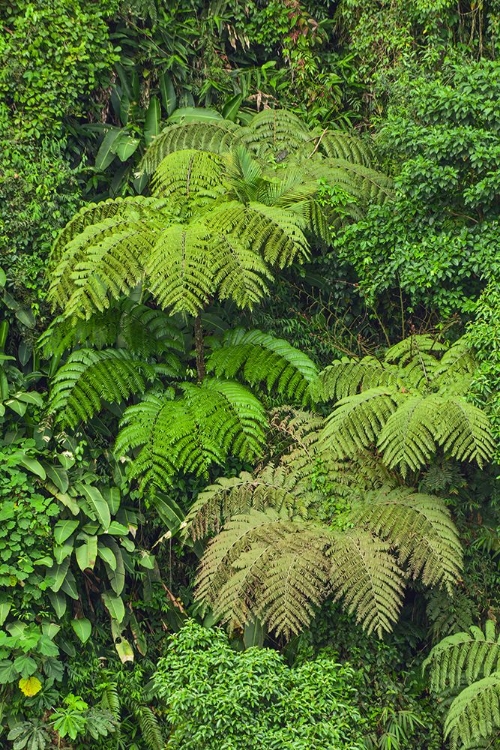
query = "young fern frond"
x=210 y=422
x=260 y=359
x=89 y=377
x=216 y=137
x=421 y=529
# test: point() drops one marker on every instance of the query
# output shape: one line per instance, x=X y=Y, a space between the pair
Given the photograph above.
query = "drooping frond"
x=456 y=369
x=421 y=529
x=273 y=487
x=347 y=377
x=366 y=186
x=89 y=377
x=409 y=348
x=408 y=437
x=189 y=262
x=474 y=715
x=464 y=656
x=150 y=726
x=365 y=575
x=357 y=420
x=273 y=133
x=464 y=431
x=260 y=359
x=337 y=144
x=127 y=324
x=216 y=137
x=190 y=179
x=210 y=422
x=259 y=564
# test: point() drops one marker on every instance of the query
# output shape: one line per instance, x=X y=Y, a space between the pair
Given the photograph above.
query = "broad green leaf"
x=152 y=124
x=50 y=629
x=124 y=650
x=5 y=606
x=30 y=397
x=115 y=606
x=47 y=647
x=63 y=530
x=82 y=628
x=194 y=114
x=231 y=107
x=167 y=92
x=33 y=465
x=139 y=637
x=61 y=553
x=105 y=155
x=8 y=673
x=108 y=556
x=98 y=505
x=58 y=573
x=59 y=603
x=147 y=560
x=117 y=529
x=26 y=317
x=69 y=586
x=86 y=554
x=116 y=577
x=58 y=476
x=3 y=278
x=25 y=665
x=124 y=147
x=113 y=498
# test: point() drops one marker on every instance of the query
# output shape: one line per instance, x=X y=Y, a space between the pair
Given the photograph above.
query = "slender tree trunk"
x=199 y=348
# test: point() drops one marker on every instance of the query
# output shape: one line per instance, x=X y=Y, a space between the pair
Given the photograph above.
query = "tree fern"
x=470 y=657
x=190 y=179
x=208 y=423
x=261 y=359
x=90 y=377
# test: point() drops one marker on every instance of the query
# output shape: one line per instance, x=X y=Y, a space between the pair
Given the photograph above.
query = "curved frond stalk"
x=260 y=359
x=190 y=179
x=464 y=431
x=357 y=420
x=347 y=377
x=468 y=655
x=474 y=714
x=90 y=377
x=366 y=576
x=210 y=422
x=216 y=137
x=407 y=439
x=421 y=529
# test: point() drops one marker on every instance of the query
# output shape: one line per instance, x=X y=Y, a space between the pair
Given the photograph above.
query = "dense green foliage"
x=249 y=374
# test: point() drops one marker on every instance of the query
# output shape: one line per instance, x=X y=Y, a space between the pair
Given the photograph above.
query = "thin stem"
x=199 y=349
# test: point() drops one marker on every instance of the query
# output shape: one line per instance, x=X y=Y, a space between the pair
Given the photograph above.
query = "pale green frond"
x=273 y=487
x=239 y=273
x=260 y=359
x=210 y=422
x=366 y=577
x=244 y=175
x=456 y=369
x=190 y=179
x=337 y=144
x=474 y=715
x=464 y=656
x=273 y=134
x=89 y=377
x=366 y=186
x=464 y=431
x=356 y=421
x=420 y=528
x=407 y=439
x=109 y=269
x=216 y=137
x=347 y=377
x=180 y=268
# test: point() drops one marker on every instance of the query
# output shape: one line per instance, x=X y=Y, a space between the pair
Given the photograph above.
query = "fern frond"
x=190 y=179
x=474 y=714
x=110 y=699
x=456 y=369
x=273 y=487
x=467 y=655
x=150 y=727
x=407 y=349
x=216 y=137
x=464 y=431
x=357 y=420
x=421 y=529
x=365 y=185
x=240 y=273
x=407 y=439
x=366 y=577
x=347 y=377
x=272 y=134
x=210 y=422
x=337 y=144
x=90 y=377
x=261 y=359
